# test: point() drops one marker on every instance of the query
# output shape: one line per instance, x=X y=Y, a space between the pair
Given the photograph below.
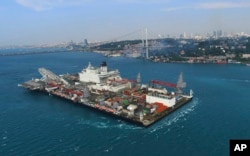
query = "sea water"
x=34 y=123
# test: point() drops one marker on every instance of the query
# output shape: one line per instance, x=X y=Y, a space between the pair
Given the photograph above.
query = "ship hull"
x=124 y=118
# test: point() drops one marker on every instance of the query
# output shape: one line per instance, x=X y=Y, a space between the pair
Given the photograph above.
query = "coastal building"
x=245 y=55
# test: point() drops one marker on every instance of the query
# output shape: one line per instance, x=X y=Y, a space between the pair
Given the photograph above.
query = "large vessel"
x=105 y=90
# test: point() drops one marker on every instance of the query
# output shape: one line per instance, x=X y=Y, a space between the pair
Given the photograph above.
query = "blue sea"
x=33 y=123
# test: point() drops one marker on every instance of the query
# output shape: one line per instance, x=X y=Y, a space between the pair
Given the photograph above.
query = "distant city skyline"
x=36 y=22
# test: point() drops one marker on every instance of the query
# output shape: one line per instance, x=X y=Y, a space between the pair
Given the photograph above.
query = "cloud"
x=224 y=5
x=174 y=9
x=212 y=5
x=41 y=5
x=143 y=1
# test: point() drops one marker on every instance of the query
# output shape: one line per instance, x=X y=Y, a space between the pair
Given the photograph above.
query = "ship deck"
x=115 y=104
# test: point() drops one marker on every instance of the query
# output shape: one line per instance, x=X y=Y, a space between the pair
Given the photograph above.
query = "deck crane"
x=180 y=84
x=167 y=84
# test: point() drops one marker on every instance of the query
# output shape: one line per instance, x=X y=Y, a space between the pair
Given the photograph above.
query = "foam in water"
x=104 y=122
x=97 y=124
x=76 y=148
x=4 y=138
x=108 y=149
x=235 y=80
x=173 y=119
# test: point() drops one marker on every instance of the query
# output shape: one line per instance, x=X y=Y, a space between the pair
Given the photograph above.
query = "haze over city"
x=26 y=22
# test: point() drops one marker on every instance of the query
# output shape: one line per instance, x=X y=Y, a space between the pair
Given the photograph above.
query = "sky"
x=36 y=22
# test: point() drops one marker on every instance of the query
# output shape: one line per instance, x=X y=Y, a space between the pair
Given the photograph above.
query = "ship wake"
x=179 y=115
x=105 y=123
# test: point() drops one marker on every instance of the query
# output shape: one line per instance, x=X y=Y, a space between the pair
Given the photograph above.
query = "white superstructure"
x=109 y=87
x=159 y=97
x=97 y=75
x=103 y=79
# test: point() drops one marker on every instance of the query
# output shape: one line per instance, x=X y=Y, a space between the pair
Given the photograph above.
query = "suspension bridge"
x=139 y=41
x=140 y=37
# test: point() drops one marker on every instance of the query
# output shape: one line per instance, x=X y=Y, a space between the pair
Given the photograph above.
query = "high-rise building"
x=219 y=33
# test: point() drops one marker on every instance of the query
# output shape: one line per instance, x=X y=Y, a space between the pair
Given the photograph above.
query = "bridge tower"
x=146 y=45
